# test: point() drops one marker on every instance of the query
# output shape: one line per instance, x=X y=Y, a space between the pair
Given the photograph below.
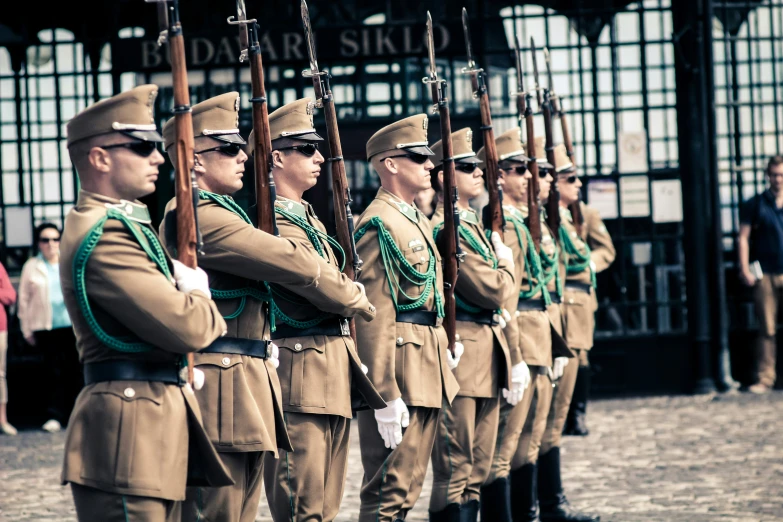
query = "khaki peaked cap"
x=130 y=113
x=408 y=134
x=461 y=145
x=293 y=120
x=563 y=163
x=509 y=146
x=216 y=117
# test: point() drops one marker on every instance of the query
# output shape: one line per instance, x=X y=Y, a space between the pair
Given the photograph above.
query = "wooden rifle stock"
x=495 y=204
x=553 y=202
x=575 y=208
x=533 y=211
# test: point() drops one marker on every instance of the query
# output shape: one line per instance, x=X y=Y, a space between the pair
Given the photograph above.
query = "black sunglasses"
x=419 y=159
x=308 y=149
x=49 y=240
x=142 y=148
x=467 y=168
x=229 y=149
x=519 y=169
x=570 y=179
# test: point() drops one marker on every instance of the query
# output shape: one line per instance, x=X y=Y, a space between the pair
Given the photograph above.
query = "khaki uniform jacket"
x=134 y=437
x=316 y=372
x=404 y=360
x=241 y=397
x=486 y=363
x=602 y=254
x=532 y=330
x=549 y=246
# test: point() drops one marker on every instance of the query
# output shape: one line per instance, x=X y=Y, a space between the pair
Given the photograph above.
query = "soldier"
x=467 y=428
x=241 y=399
x=553 y=503
x=510 y=492
x=405 y=347
x=318 y=360
x=587 y=253
x=135 y=436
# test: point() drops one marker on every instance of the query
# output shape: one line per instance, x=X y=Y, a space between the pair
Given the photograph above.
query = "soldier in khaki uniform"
x=554 y=506
x=135 y=436
x=241 y=399
x=318 y=360
x=536 y=338
x=467 y=429
x=405 y=347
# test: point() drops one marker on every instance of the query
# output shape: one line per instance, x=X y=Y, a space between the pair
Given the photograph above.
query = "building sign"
x=221 y=49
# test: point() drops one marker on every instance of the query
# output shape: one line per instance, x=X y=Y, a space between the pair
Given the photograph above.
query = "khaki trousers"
x=464 y=446
x=307 y=485
x=512 y=420
x=393 y=479
x=535 y=424
x=93 y=505
x=767 y=294
x=237 y=503
x=561 y=401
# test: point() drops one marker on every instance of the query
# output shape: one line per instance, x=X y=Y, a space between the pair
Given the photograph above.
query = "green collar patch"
x=132 y=211
x=291 y=206
x=468 y=216
x=407 y=211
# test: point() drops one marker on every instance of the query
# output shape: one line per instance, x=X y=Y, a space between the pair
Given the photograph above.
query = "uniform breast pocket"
x=409 y=361
x=216 y=398
x=123 y=429
x=305 y=366
x=419 y=258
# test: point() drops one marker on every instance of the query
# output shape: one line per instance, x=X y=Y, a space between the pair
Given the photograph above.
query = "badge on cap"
x=425 y=123
x=469 y=138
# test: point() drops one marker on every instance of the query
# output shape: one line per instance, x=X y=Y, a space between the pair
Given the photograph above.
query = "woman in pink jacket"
x=46 y=325
x=7 y=298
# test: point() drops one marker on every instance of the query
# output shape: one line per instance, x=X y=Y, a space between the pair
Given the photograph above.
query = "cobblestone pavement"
x=688 y=459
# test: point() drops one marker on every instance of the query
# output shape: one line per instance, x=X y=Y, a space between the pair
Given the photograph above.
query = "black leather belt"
x=555 y=298
x=335 y=327
x=423 y=317
x=482 y=317
x=237 y=346
x=131 y=371
x=527 y=305
x=579 y=287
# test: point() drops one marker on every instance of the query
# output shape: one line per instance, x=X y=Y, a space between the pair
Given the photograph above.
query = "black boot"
x=469 y=511
x=450 y=514
x=552 y=499
x=496 y=501
x=576 y=422
x=524 y=494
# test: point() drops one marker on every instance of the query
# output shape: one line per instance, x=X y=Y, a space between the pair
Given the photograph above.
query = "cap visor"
x=310 y=136
x=473 y=160
x=520 y=158
x=421 y=150
x=545 y=165
x=144 y=135
x=566 y=169
x=229 y=138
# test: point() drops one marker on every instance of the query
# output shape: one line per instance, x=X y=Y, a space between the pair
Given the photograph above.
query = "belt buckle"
x=345 y=329
x=439 y=321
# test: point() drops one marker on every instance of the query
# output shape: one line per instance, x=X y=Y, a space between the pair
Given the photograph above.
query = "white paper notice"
x=634 y=196
x=19 y=227
x=667 y=201
x=602 y=195
x=632 y=152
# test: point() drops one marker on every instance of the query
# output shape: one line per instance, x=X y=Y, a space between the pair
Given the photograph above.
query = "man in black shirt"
x=761 y=239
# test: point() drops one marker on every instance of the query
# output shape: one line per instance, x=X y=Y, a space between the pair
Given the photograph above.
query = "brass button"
x=456 y=337
x=571 y=301
x=226 y=361
x=129 y=392
x=400 y=340
x=423 y=259
x=298 y=347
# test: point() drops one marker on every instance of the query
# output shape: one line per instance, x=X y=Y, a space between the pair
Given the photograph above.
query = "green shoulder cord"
x=395 y=265
x=549 y=265
x=314 y=235
x=152 y=247
x=265 y=294
x=533 y=266
x=487 y=254
x=576 y=261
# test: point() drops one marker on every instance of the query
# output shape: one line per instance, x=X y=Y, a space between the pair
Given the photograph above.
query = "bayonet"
x=551 y=84
x=468 y=45
x=241 y=22
x=535 y=72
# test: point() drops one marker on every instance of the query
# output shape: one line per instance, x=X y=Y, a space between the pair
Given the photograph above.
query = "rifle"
x=262 y=141
x=553 y=203
x=340 y=189
x=557 y=111
x=448 y=243
x=494 y=219
x=188 y=234
x=525 y=115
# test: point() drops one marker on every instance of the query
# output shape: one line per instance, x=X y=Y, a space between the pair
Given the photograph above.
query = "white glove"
x=506 y=316
x=274 y=355
x=453 y=360
x=189 y=279
x=520 y=380
x=501 y=250
x=198 y=377
x=559 y=367
x=361 y=287
x=391 y=420
x=365 y=369
x=497 y=318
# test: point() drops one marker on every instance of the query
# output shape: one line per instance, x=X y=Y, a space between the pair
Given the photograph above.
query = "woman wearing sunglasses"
x=45 y=324
x=468 y=427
